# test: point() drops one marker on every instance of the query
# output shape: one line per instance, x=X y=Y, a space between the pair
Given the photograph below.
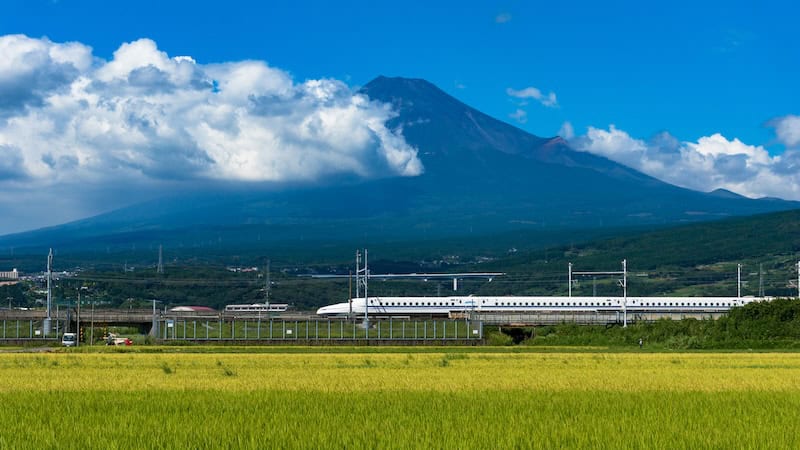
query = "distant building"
x=12 y=275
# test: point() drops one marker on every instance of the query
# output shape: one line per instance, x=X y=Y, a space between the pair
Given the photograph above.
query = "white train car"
x=442 y=306
x=257 y=307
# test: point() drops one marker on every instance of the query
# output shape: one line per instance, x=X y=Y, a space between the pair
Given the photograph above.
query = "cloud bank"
x=73 y=124
x=713 y=162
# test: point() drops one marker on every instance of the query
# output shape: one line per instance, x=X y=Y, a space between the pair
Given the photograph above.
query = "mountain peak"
x=724 y=193
x=444 y=125
x=444 y=128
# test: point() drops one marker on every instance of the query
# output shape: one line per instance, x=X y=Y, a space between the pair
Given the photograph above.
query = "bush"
x=498 y=338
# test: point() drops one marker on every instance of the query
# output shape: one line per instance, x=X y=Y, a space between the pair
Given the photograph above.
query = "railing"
x=310 y=330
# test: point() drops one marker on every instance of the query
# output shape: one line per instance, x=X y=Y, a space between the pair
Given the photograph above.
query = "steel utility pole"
x=47 y=321
x=738 y=281
x=78 y=327
x=350 y=296
x=624 y=293
x=366 y=296
x=358 y=270
x=570 y=280
x=91 y=330
x=154 y=329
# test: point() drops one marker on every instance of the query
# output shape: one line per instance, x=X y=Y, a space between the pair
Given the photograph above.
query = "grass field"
x=399 y=399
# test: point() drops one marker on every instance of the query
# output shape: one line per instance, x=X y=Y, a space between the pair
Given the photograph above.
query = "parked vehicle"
x=69 y=339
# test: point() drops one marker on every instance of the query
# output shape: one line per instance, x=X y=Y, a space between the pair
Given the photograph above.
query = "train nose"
x=331 y=310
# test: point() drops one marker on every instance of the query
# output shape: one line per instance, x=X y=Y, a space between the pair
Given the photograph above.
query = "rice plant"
x=400 y=400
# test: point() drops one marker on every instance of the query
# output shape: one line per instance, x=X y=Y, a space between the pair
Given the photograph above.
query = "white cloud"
x=548 y=99
x=519 y=115
x=566 y=131
x=504 y=17
x=787 y=129
x=712 y=162
x=72 y=124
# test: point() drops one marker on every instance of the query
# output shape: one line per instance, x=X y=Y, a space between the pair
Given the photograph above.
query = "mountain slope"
x=481 y=176
x=690 y=259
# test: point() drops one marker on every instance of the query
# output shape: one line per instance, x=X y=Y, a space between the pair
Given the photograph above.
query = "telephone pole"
x=47 y=321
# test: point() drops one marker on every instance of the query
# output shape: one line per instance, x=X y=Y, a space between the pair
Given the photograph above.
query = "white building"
x=13 y=275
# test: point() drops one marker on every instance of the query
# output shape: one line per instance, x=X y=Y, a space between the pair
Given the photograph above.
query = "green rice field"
x=476 y=398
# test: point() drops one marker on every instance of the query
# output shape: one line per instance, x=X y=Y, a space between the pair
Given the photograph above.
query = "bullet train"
x=444 y=306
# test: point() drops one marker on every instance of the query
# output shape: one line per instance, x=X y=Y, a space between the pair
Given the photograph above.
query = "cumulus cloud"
x=548 y=99
x=144 y=118
x=787 y=130
x=713 y=162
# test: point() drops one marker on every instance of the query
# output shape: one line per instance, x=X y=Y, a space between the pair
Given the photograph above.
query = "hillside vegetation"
x=758 y=325
x=695 y=259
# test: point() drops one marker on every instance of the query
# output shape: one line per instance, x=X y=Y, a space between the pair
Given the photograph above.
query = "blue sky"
x=622 y=79
x=692 y=68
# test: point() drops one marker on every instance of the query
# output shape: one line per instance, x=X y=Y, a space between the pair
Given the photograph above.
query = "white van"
x=69 y=339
